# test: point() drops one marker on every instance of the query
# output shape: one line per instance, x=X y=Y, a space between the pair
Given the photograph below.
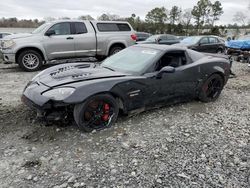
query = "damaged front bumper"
x=46 y=108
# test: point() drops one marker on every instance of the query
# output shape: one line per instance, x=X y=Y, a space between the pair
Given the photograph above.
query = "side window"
x=1 y=35
x=171 y=37
x=163 y=37
x=213 y=40
x=123 y=27
x=107 y=27
x=80 y=28
x=174 y=59
x=61 y=29
x=204 y=40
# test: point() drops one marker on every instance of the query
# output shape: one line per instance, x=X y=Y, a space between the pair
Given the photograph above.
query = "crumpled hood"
x=75 y=72
x=17 y=36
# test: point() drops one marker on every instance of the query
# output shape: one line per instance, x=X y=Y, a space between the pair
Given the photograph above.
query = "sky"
x=31 y=9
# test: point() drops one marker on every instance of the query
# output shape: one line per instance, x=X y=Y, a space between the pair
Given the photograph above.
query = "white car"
x=4 y=34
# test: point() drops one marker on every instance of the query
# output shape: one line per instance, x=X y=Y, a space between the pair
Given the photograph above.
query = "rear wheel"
x=220 y=51
x=97 y=112
x=30 y=60
x=211 y=88
x=115 y=49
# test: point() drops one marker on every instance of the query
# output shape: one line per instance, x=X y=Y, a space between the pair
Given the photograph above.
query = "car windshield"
x=152 y=38
x=40 y=29
x=131 y=60
x=190 y=40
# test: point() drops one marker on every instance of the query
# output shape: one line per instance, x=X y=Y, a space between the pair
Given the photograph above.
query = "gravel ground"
x=186 y=145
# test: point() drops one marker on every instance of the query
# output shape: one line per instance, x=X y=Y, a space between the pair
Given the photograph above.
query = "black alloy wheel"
x=98 y=112
x=212 y=88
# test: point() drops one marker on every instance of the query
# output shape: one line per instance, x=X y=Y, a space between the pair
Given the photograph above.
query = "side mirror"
x=159 y=40
x=167 y=69
x=50 y=32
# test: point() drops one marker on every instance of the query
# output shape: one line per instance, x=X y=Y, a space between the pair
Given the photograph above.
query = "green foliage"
x=216 y=11
x=86 y=17
x=157 y=15
x=14 y=22
x=109 y=17
x=174 y=15
x=201 y=13
x=156 y=19
x=206 y=12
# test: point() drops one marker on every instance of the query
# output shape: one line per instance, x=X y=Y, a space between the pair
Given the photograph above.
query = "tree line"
x=201 y=19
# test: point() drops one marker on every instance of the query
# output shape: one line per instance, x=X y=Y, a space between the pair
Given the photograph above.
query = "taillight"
x=134 y=37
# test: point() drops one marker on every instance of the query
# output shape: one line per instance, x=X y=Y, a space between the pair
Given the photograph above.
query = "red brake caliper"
x=105 y=116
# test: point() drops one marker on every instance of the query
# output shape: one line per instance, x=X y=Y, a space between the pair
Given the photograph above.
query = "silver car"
x=67 y=39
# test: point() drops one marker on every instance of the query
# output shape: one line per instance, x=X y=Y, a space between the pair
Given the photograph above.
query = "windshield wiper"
x=109 y=68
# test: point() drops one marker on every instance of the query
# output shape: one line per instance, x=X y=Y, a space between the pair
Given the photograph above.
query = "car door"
x=182 y=82
x=203 y=45
x=85 y=39
x=60 y=44
x=172 y=39
x=214 y=44
x=163 y=39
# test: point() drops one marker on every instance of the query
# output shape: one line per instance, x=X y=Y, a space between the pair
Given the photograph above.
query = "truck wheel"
x=115 y=49
x=96 y=113
x=30 y=60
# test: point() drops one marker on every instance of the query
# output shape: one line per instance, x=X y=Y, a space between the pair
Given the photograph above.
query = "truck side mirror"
x=50 y=32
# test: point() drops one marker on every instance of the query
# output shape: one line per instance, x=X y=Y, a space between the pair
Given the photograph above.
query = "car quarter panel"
x=126 y=88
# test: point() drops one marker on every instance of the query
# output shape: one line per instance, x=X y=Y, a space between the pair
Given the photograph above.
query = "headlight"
x=59 y=94
x=7 y=43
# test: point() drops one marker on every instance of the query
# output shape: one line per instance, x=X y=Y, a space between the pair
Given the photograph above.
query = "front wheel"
x=97 y=112
x=30 y=60
x=211 y=89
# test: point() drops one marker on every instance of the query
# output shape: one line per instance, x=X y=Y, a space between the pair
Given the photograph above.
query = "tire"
x=115 y=49
x=30 y=60
x=96 y=113
x=211 y=88
x=220 y=51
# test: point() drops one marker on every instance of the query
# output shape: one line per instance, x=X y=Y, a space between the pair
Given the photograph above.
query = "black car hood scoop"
x=60 y=75
x=70 y=71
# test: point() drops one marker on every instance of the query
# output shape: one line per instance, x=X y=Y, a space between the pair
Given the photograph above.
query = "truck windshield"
x=131 y=60
x=40 y=28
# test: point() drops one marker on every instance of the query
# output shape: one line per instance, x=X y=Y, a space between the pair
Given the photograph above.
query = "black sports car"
x=138 y=78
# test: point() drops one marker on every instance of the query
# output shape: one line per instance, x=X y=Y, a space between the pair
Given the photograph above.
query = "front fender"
x=93 y=87
x=35 y=45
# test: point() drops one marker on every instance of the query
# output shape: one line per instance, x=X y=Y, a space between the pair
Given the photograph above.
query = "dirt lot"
x=186 y=145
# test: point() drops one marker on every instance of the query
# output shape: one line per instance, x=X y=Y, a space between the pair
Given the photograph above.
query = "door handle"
x=69 y=38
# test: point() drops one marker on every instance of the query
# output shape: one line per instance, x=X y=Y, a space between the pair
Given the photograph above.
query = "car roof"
x=161 y=47
x=205 y=36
